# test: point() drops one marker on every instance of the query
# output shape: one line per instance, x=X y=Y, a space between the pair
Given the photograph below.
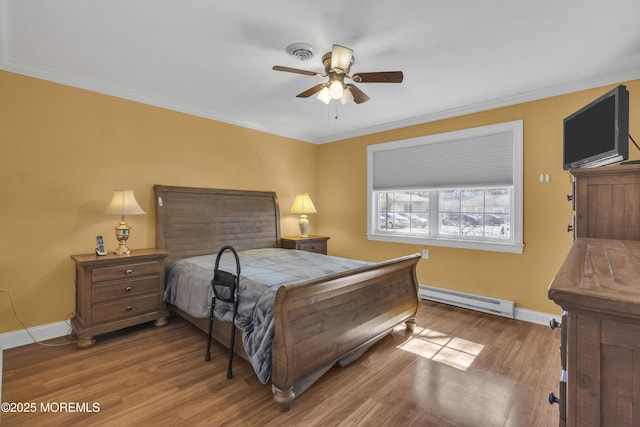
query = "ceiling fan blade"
x=358 y=96
x=379 y=77
x=296 y=70
x=341 y=57
x=307 y=93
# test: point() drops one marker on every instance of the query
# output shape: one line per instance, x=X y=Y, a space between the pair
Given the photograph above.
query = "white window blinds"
x=469 y=158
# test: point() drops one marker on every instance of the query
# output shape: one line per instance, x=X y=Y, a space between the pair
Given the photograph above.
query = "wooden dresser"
x=598 y=288
x=114 y=292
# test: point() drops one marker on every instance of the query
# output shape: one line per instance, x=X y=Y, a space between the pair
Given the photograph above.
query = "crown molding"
x=134 y=95
x=145 y=98
x=534 y=95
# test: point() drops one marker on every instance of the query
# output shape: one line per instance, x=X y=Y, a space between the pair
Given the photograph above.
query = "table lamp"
x=303 y=205
x=123 y=203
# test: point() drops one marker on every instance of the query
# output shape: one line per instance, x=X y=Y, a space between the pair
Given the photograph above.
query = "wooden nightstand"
x=312 y=243
x=114 y=292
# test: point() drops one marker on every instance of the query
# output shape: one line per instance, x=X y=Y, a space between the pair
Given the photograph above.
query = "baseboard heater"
x=499 y=307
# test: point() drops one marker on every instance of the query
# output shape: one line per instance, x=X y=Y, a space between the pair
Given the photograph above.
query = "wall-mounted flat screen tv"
x=598 y=133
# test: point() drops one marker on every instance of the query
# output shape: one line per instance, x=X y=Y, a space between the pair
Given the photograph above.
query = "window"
x=460 y=189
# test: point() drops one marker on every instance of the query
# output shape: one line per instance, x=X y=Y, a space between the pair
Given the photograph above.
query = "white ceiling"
x=213 y=58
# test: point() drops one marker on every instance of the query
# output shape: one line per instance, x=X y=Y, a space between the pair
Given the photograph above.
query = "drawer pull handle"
x=129 y=271
x=129 y=289
x=129 y=308
x=553 y=398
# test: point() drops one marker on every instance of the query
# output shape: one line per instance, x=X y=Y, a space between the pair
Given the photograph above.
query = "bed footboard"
x=335 y=319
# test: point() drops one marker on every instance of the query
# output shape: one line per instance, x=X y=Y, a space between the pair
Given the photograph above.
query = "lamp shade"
x=336 y=89
x=325 y=95
x=303 y=205
x=341 y=58
x=124 y=203
x=347 y=96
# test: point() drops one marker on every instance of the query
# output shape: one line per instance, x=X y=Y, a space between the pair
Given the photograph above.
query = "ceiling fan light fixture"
x=336 y=89
x=324 y=95
x=347 y=96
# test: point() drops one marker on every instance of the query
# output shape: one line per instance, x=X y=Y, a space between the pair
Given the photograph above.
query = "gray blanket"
x=263 y=271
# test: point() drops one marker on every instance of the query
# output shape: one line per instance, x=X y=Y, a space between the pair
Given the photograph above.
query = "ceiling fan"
x=337 y=64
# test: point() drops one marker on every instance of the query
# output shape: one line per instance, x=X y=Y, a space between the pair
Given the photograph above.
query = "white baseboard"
x=40 y=333
x=536 y=316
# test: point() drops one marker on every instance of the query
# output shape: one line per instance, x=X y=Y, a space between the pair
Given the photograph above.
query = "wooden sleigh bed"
x=318 y=323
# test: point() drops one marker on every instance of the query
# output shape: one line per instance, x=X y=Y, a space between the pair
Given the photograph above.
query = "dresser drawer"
x=122 y=309
x=125 y=289
x=123 y=271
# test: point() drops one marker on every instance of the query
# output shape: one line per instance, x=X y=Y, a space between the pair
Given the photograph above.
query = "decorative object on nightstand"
x=317 y=244
x=115 y=292
x=123 y=203
x=303 y=205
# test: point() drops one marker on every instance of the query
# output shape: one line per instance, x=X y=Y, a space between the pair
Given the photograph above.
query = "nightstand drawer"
x=125 y=308
x=124 y=271
x=125 y=289
x=318 y=247
x=311 y=243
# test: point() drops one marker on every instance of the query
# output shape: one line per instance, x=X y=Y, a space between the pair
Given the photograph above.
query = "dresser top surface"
x=600 y=274
x=608 y=170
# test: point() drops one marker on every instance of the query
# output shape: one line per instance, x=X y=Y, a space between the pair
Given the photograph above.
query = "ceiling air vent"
x=301 y=51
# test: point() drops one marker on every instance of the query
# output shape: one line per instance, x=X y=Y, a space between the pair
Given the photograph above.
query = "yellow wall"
x=64 y=151
x=522 y=278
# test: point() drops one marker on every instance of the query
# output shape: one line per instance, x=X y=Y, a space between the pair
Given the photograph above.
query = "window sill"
x=514 y=248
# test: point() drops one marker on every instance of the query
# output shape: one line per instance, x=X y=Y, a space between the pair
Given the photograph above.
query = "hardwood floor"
x=458 y=368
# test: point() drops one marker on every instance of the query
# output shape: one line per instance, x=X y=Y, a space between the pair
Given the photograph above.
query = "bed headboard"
x=199 y=221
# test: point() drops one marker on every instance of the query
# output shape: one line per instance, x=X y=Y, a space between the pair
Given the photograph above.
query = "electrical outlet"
x=425 y=254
